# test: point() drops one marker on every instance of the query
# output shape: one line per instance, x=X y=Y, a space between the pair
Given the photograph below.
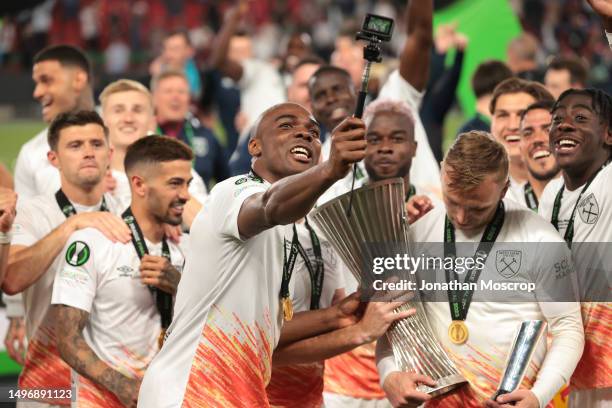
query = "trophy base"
x=444 y=385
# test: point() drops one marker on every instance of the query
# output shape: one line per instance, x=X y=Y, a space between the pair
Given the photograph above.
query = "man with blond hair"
x=474 y=333
x=127 y=109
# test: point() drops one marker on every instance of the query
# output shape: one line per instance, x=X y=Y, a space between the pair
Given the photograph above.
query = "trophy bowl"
x=377 y=225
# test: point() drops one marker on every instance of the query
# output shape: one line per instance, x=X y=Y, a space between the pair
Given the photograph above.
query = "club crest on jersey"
x=588 y=209
x=78 y=253
x=508 y=262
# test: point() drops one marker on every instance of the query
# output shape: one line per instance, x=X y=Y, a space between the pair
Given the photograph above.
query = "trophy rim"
x=368 y=186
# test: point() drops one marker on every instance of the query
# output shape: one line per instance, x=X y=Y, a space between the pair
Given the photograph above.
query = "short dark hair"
x=329 y=69
x=516 y=85
x=66 y=55
x=545 y=105
x=155 y=149
x=488 y=75
x=601 y=100
x=574 y=65
x=69 y=119
x=181 y=33
x=309 y=60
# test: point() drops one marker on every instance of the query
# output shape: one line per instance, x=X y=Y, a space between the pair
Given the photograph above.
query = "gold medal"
x=458 y=332
x=287 y=308
x=160 y=339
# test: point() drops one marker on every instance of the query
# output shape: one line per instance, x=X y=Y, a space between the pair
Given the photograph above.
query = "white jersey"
x=123 y=194
x=36 y=218
x=227 y=317
x=591 y=226
x=103 y=279
x=492 y=324
x=302 y=384
x=34 y=175
x=261 y=87
x=516 y=192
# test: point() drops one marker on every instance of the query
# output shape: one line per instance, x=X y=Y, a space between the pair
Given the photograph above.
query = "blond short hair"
x=387 y=105
x=125 y=85
x=167 y=73
x=474 y=156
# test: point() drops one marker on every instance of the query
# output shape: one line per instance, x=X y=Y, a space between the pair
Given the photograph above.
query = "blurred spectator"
x=177 y=54
x=117 y=57
x=564 y=73
x=486 y=77
x=522 y=53
x=171 y=102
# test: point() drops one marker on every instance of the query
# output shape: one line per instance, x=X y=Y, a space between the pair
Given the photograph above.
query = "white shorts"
x=595 y=398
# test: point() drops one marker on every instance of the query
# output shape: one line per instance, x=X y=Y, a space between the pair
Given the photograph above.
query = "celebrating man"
x=228 y=312
x=111 y=300
x=535 y=149
x=474 y=182
x=81 y=152
x=577 y=205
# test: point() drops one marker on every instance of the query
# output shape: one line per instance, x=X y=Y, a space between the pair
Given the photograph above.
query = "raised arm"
x=69 y=324
x=604 y=9
x=416 y=54
x=291 y=198
x=218 y=58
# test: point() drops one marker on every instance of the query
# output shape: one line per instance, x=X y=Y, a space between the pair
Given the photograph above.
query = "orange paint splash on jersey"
x=230 y=368
x=594 y=369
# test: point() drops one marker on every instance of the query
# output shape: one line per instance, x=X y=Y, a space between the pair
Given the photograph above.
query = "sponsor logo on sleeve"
x=78 y=253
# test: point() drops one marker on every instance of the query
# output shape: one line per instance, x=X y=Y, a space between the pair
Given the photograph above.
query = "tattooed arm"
x=69 y=325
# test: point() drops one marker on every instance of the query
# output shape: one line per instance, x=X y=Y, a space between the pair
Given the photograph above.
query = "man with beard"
x=535 y=149
x=578 y=206
x=228 y=314
x=474 y=333
x=108 y=297
x=333 y=95
x=80 y=151
x=62 y=78
x=510 y=99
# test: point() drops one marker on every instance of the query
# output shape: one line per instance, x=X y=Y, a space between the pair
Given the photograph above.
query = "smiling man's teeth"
x=300 y=151
x=513 y=138
x=567 y=142
x=540 y=154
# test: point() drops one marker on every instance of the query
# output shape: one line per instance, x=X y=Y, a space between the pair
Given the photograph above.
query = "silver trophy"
x=518 y=359
x=379 y=216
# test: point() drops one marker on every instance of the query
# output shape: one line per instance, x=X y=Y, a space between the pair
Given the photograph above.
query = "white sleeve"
x=385 y=360
x=565 y=325
x=609 y=35
x=24 y=175
x=227 y=205
x=556 y=286
x=397 y=88
x=25 y=227
x=197 y=188
x=14 y=305
x=76 y=280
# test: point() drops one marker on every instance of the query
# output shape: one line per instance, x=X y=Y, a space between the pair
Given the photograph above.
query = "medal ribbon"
x=66 y=206
x=163 y=300
x=569 y=231
x=459 y=300
x=530 y=197
x=411 y=192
